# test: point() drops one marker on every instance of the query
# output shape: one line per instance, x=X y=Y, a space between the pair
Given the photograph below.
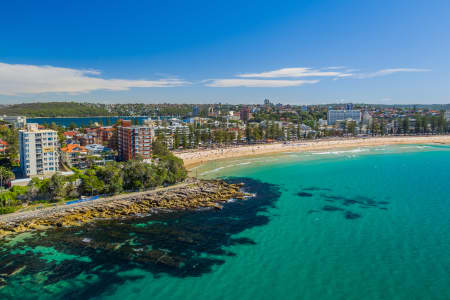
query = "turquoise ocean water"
x=365 y=223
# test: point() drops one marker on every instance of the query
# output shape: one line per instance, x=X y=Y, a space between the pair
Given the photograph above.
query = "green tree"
x=56 y=187
x=72 y=126
x=112 y=176
x=90 y=183
x=382 y=127
x=159 y=147
x=176 y=139
x=5 y=175
x=175 y=167
x=405 y=125
x=247 y=132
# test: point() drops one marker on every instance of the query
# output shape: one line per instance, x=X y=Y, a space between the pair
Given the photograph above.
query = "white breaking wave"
x=212 y=171
x=341 y=152
x=224 y=167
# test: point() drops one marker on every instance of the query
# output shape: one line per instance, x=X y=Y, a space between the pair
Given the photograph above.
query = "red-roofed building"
x=74 y=155
x=70 y=134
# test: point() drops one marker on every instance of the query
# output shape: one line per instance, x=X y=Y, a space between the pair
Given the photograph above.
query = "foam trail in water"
x=340 y=152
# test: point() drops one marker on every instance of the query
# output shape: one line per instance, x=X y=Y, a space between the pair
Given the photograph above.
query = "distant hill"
x=54 y=109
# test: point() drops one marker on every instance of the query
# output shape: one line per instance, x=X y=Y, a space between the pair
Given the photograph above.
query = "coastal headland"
x=193 y=158
x=192 y=194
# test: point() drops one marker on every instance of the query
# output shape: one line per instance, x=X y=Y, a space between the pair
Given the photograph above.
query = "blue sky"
x=298 y=52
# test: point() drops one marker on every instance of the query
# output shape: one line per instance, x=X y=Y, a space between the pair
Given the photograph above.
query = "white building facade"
x=38 y=150
x=17 y=121
x=342 y=115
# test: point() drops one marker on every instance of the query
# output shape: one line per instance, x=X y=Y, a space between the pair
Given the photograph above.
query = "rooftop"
x=74 y=148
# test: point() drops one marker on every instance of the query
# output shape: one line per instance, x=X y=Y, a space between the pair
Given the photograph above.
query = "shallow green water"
x=367 y=223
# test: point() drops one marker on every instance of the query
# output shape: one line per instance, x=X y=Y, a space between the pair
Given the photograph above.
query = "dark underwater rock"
x=181 y=243
x=314 y=188
x=351 y=215
x=331 y=208
x=304 y=194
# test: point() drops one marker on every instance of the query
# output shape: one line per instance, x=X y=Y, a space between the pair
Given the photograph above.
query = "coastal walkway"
x=60 y=208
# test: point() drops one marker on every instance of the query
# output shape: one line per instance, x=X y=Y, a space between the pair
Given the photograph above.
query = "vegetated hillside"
x=54 y=109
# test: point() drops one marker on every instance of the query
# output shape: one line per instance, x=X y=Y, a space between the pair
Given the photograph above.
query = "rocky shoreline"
x=190 y=195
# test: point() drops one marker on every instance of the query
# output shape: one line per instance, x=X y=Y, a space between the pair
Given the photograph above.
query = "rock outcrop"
x=196 y=194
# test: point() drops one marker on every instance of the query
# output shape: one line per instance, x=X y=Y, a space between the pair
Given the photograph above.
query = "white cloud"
x=17 y=79
x=335 y=68
x=237 y=82
x=32 y=79
x=385 y=72
x=293 y=72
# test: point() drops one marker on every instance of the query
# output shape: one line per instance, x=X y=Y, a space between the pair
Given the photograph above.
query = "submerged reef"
x=93 y=259
x=341 y=203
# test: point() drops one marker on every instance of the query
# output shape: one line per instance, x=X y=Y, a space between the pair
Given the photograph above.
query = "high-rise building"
x=195 y=111
x=38 y=150
x=447 y=115
x=134 y=141
x=366 y=118
x=342 y=115
x=245 y=113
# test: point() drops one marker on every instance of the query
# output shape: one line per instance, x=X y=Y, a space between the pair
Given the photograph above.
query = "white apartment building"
x=17 y=121
x=447 y=115
x=342 y=115
x=38 y=150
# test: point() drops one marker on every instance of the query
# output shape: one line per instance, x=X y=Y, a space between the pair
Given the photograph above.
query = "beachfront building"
x=74 y=156
x=17 y=121
x=447 y=115
x=366 y=118
x=245 y=113
x=134 y=141
x=38 y=150
x=336 y=115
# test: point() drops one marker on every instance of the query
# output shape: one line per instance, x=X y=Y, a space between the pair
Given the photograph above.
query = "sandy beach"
x=196 y=157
